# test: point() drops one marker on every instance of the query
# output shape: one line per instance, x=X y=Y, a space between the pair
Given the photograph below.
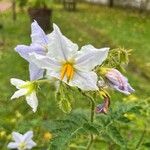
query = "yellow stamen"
x=22 y=145
x=68 y=71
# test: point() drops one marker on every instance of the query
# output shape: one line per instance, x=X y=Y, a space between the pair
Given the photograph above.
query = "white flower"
x=66 y=63
x=27 y=89
x=22 y=142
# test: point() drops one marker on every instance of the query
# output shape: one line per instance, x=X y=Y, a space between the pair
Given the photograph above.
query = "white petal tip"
x=13 y=97
x=106 y=48
x=34 y=22
x=11 y=80
x=55 y=26
x=34 y=110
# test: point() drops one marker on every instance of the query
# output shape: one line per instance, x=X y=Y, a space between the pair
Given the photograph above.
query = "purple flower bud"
x=103 y=108
x=118 y=82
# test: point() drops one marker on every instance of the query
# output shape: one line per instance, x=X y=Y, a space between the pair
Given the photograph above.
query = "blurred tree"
x=22 y=3
x=14 y=10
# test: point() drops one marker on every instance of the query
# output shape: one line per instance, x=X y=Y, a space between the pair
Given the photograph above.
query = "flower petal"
x=130 y=89
x=17 y=82
x=12 y=145
x=60 y=47
x=38 y=35
x=35 y=72
x=125 y=91
x=24 y=50
x=28 y=136
x=44 y=62
x=17 y=137
x=31 y=144
x=19 y=93
x=84 y=80
x=89 y=57
x=32 y=101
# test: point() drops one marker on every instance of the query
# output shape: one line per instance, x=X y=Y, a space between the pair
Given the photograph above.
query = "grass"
x=99 y=26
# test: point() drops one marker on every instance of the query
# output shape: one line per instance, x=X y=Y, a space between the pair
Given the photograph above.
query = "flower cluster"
x=54 y=56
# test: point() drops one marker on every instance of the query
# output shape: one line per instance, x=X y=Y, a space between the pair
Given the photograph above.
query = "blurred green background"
x=95 y=24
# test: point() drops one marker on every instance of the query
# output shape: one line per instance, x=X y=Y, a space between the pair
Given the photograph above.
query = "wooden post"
x=111 y=3
x=143 y=5
x=14 y=10
x=69 y=5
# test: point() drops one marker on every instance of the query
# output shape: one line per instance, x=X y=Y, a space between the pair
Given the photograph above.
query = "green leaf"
x=146 y=145
x=66 y=129
x=121 y=109
x=115 y=136
x=91 y=128
x=103 y=120
x=65 y=106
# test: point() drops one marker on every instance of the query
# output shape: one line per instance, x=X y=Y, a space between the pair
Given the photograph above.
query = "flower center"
x=22 y=146
x=30 y=86
x=68 y=71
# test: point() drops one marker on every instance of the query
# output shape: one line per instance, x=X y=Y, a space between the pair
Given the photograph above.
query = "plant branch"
x=42 y=81
x=91 y=117
x=92 y=120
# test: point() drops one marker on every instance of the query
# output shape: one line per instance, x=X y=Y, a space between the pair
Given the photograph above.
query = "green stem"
x=90 y=142
x=42 y=81
x=91 y=117
x=92 y=120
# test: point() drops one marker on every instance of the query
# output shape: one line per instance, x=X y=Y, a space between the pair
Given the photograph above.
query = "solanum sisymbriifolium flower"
x=117 y=81
x=22 y=142
x=39 y=46
x=69 y=65
x=27 y=89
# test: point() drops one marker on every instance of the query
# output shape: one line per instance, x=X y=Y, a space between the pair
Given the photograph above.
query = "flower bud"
x=47 y=136
x=103 y=108
x=117 y=81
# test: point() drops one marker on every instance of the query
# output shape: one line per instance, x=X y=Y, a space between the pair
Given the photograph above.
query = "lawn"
x=97 y=25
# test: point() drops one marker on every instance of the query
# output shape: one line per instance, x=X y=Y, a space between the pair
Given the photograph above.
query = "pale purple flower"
x=22 y=142
x=118 y=82
x=103 y=108
x=39 y=46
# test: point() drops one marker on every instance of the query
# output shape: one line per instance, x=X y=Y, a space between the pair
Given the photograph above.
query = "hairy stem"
x=92 y=119
x=92 y=101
